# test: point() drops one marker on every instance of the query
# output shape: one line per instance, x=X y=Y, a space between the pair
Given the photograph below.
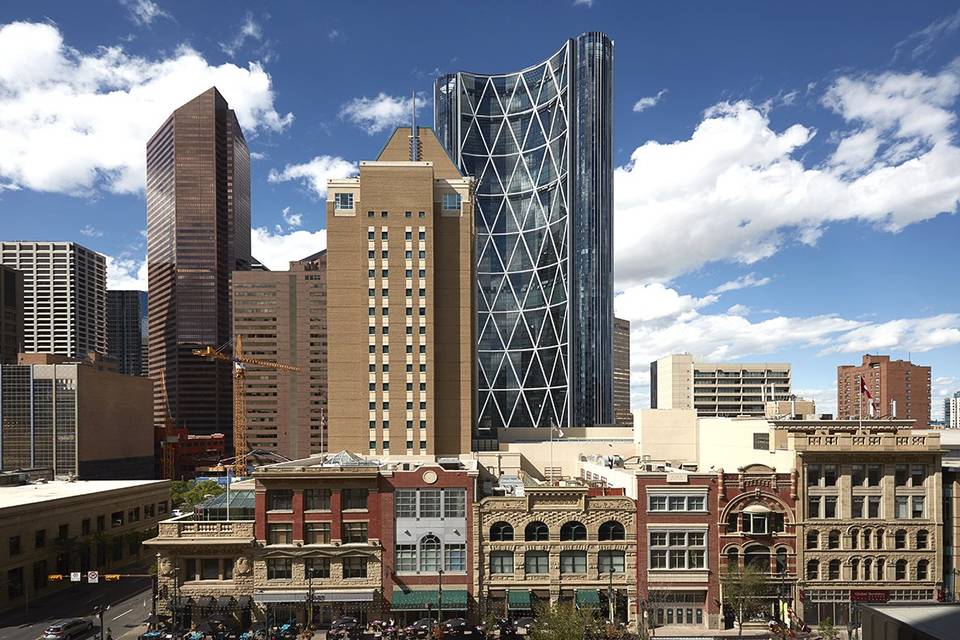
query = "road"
x=129 y=602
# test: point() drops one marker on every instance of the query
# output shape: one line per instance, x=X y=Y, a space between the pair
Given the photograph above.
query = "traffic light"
x=112 y=577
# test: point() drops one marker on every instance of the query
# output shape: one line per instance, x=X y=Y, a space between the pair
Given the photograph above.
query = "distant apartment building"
x=621 y=372
x=64 y=296
x=899 y=389
x=124 y=339
x=198 y=235
x=400 y=289
x=717 y=389
x=11 y=314
x=282 y=316
x=75 y=418
x=951 y=411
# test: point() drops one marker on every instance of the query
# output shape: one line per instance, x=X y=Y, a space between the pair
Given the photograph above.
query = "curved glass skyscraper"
x=538 y=141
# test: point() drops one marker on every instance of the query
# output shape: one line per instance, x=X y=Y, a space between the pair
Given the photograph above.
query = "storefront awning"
x=453 y=599
x=326 y=595
x=588 y=598
x=519 y=600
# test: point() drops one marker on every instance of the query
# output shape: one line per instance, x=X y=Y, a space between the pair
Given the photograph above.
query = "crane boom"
x=239 y=399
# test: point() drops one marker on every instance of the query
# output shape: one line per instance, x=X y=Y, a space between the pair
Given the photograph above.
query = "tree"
x=743 y=588
x=565 y=622
x=188 y=493
x=827 y=630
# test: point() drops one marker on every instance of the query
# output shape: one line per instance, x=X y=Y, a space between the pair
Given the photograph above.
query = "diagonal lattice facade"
x=513 y=133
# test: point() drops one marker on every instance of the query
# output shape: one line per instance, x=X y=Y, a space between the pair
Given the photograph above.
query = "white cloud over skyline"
x=382 y=112
x=315 y=173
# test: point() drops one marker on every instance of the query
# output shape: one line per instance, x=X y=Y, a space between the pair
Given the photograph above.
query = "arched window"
x=867 y=564
x=501 y=532
x=833 y=570
x=430 y=553
x=922 y=570
x=879 y=538
x=781 y=560
x=612 y=530
x=923 y=539
x=758 y=557
x=733 y=559
x=833 y=540
x=854 y=538
x=573 y=530
x=813 y=570
x=900 y=570
x=536 y=532
x=854 y=569
x=880 y=567
x=867 y=536
x=900 y=539
x=813 y=539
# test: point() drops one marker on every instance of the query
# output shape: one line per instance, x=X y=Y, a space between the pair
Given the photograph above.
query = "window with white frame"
x=611 y=562
x=677 y=502
x=343 y=201
x=451 y=202
x=501 y=562
x=677 y=549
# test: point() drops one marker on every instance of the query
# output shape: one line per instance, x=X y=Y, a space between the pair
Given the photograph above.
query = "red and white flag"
x=864 y=391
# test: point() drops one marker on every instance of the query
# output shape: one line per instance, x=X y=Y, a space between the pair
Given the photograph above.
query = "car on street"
x=67 y=629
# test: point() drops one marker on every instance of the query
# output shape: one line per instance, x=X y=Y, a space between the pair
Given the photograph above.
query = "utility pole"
x=155 y=583
x=309 y=599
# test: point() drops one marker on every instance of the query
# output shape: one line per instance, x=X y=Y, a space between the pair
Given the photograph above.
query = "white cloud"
x=908 y=334
x=381 y=112
x=292 y=219
x=583 y=3
x=74 y=122
x=126 y=272
x=734 y=191
x=90 y=231
x=335 y=34
x=276 y=250
x=738 y=310
x=920 y=43
x=249 y=30
x=743 y=282
x=315 y=173
x=824 y=398
x=144 y=12
x=648 y=102
x=654 y=301
x=256 y=155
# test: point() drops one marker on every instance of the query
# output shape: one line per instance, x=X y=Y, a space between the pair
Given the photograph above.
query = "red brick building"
x=365 y=538
x=899 y=389
x=677 y=552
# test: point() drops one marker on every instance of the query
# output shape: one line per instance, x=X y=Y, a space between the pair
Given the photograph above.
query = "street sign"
x=75 y=576
x=111 y=577
x=54 y=577
x=93 y=577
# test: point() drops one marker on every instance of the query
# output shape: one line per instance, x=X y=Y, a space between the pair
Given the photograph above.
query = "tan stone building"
x=870 y=523
x=400 y=282
x=567 y=543
x=59 y=527
x=282 y=316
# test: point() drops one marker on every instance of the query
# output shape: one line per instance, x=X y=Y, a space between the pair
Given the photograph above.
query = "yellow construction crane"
x=168 y=435
x=240 y=361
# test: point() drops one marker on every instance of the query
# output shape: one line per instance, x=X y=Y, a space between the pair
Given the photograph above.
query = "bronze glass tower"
x=198 y=233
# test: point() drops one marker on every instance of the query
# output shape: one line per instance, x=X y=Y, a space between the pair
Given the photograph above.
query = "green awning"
x=519 y=599
x=588 y=598
x=453 y=599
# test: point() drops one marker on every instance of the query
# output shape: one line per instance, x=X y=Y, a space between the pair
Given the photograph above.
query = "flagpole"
x=551 y=452
x=860 y=403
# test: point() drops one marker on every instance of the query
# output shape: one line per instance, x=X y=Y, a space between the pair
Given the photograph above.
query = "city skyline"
x=774 y=275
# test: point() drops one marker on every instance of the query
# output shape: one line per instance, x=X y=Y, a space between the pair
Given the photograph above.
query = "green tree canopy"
x=743 y=591
x=565 y=622
x=186 y=494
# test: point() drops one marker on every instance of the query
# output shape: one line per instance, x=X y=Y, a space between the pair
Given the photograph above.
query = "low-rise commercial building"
x=59 y=527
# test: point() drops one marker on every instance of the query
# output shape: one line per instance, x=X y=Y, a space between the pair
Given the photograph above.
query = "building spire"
x=414 y=133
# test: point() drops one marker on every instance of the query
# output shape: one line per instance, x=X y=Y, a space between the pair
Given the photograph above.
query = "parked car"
x=422 y=628
x=67 y=629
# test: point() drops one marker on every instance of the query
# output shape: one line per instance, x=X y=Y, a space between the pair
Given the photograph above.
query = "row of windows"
x=869 y=475
x=282 y=568
x=407 y=235
x=317 y=499
x=868 y=570
x=905 y=507
x=678 y=550
x=538 y=562
x=385 y=273
x=430 y=503
x=868 y=537
x=317 y=533
x=426 y=556
x=569 y=531
x=677 y=503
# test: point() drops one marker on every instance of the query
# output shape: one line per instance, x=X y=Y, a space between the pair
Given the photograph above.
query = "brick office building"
x=899 y=390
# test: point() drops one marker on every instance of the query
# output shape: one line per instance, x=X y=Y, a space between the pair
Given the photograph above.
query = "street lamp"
x=439 y=596
x=156 y=592
x=610 y=595
x=309 y=598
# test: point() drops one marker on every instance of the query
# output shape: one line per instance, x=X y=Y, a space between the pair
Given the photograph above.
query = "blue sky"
x=787 y=184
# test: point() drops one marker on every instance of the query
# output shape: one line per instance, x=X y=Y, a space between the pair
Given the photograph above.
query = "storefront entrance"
x=676 y=607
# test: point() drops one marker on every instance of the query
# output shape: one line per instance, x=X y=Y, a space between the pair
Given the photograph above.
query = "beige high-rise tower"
x=400 y=313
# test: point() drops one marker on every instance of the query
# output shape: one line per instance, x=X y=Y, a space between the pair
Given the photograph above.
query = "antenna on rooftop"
x=414 y=133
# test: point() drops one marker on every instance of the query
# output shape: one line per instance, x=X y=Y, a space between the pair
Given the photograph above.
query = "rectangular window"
x=279 y=568
x=63 y=533
x=317 y=567
x=116 y=519
x=761 y=441
x=354 y=532
x=280 y=533
x=316 y=499
x=536 y=562
x=858 y=475
x=918 y=473
x=573 y=562
x=209 y=569
x=406 y=558
x=813 y=506
x=813 y=475
x=873 y=507
x=455 y=558
x=874 y=474
x=454 y=503
x=316 y=533
x=829 y=475
x=343 y=201
x=901 y=505
x=279 y=499
x=611 y=562
x=856 y=507
x=451 y=202
x=677 y=549
x=430 y=503
x=676 y=503
x=405 y=503
x=830 y=506
x=14 y=545
x=916 y=504
x=354 y=498
x=354 y=567
x=658 y=503
x=501 y=562
x=900 y=475
x=40 y=539
x=85 y=526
